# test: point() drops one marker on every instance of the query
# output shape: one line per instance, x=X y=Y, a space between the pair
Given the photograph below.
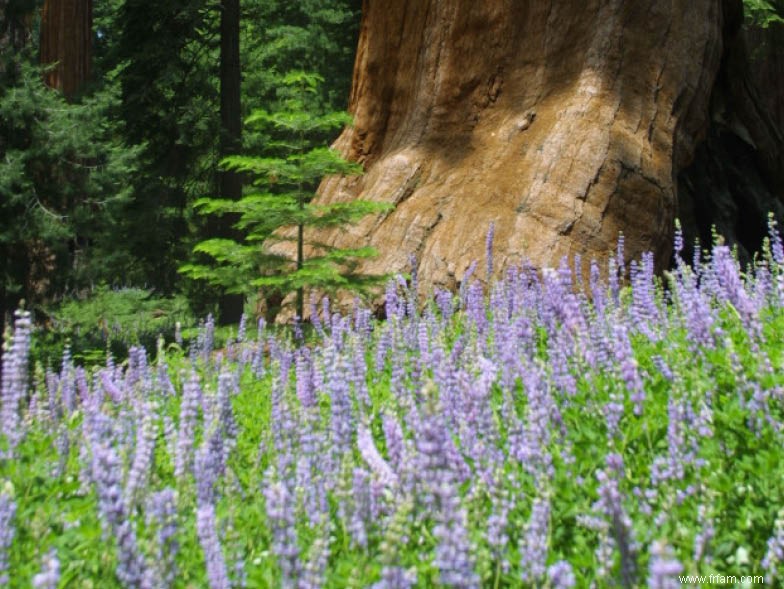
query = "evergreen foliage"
x=64 y=183
x=111 y=320
x=764 y=13
x=285 y=183
x=166 y=55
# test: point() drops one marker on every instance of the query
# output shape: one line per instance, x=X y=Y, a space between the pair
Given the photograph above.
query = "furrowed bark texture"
x=66 y=39
x=563 y=122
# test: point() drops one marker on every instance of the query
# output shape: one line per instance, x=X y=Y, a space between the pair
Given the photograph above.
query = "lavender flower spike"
x=664 y=568
x=162 y=512
x=189 y=411
x=14 y=378
x=489 y=250
x=49 y=577
x=369 y=452
x=774 y=556
x=561 y=575
x=7 y=513
x=534 y=549
x=213 y=555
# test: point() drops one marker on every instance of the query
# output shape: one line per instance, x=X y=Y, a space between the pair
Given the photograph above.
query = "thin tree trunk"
x=66 y=40
x=231 y=132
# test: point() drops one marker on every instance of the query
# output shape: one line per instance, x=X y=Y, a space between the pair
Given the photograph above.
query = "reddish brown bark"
x=66 y=40
x=563 y=122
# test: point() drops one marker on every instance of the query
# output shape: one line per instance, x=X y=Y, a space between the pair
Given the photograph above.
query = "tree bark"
x=563 y=122
x=231 y=133
x=737 y=176
x=66 y=40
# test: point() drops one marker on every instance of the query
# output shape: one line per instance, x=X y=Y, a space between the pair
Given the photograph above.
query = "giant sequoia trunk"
x=563 y=122
x=66 y=40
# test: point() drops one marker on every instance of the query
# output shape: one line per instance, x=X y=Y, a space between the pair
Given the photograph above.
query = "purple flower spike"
x=162 y=513
x=143 y=457
x=664 y=568
x=49 y=577
x=189 y=412
x=107 y=470
x=561 y=575
x=394 y=577
x=774 y=557
x=217 y=574
x=280 y=513
x=489 y=250
x=14 y=379
x=534 y=548
x=7 y=513
x=369 y=452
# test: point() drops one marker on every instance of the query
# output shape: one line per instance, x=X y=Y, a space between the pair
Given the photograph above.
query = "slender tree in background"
x=280 y=209
x=66 y=41
x=230 y=136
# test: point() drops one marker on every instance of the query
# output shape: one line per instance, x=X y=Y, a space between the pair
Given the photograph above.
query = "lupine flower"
x=7 y=514
x=107 y=471
x=611 y=506
x=394 y=577
x=340 y=396
x=280 y=513
x=162 y=513
x=774 y=556
x=534 y=546
x=164 y=381
x=14 y=379
x=453 y=552
x=360 y=508
x=143 y=454
x=705 y=534
x=189 y=411
x=209 y=465
x=489 y=250
x=663 y=568
x=224 y=413
x=370 y=454
x=138 y=374
x=395 y=537
x=309 y=468
x=359 y=373
x=217 y=573
x=393 y=434
x=497 y=524
x=627 y=365
x=315 y=569
x=561 y=575
x=532 y=450
x=68 y=382
x=434 y=462
x=206 y=338
x=170 y=436
x=49 y=577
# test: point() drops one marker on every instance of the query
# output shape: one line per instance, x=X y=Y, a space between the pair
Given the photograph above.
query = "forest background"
x=99 y=176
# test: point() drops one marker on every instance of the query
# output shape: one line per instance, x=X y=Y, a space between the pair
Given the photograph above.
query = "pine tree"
x=286 y=182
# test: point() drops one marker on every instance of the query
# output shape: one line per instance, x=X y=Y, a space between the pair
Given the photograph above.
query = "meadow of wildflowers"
x=539 y=431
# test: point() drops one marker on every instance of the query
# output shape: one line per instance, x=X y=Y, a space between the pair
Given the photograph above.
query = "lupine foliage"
x=542 y=434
